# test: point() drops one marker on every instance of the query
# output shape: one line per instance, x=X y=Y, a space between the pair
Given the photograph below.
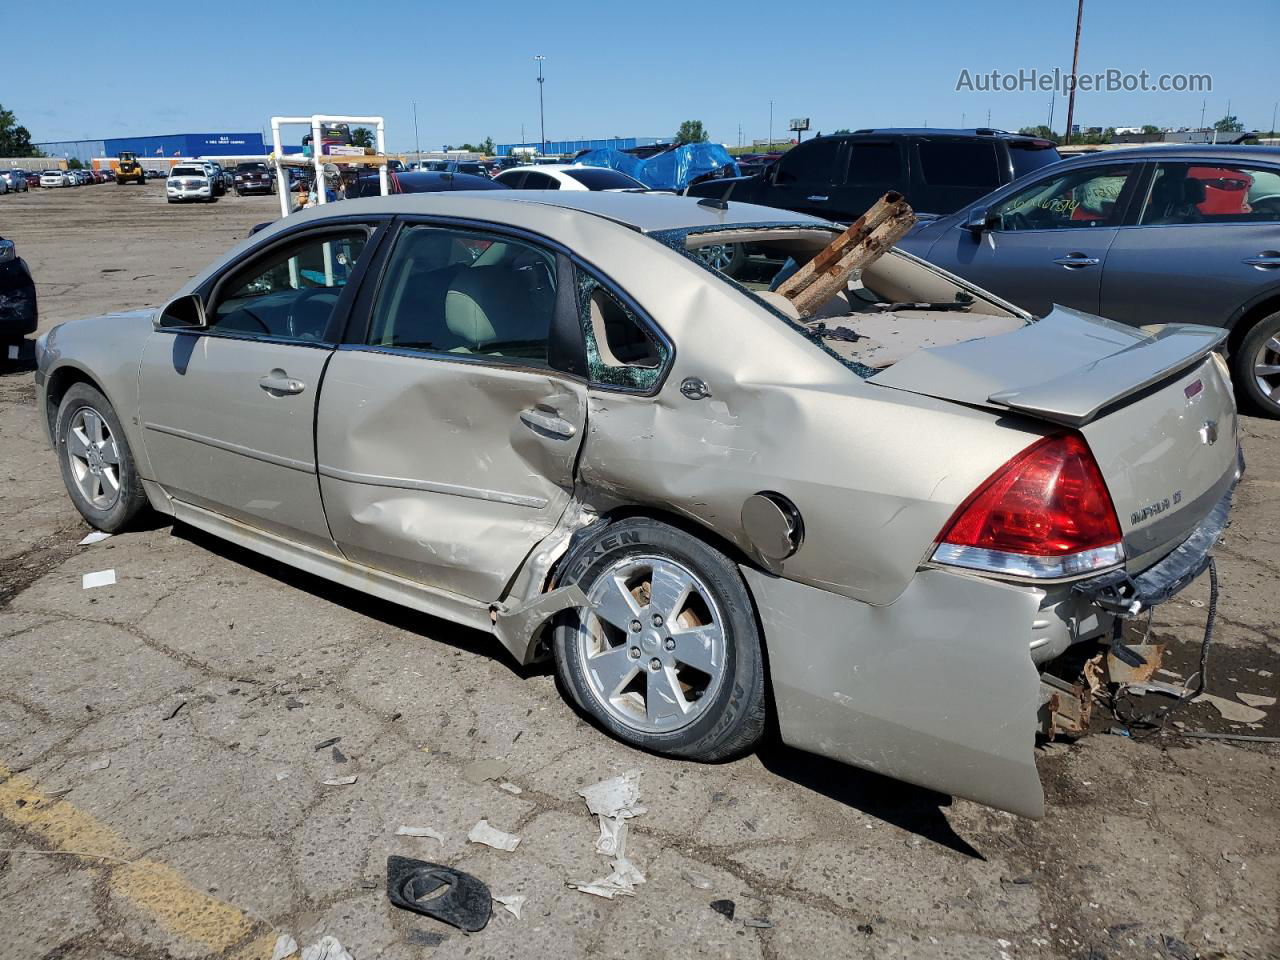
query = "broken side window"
x=622 y=350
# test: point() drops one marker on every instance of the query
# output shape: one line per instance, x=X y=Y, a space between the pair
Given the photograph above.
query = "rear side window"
x=621 y=350
x=815 y=162
x=1027 y=157
x=1212 y=192
x=539 y=181
x=874 y=163
x=466 y=293
x=602 y=178
x=959 y=163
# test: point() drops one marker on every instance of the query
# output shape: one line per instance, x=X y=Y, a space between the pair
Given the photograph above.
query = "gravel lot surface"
x=162 y=785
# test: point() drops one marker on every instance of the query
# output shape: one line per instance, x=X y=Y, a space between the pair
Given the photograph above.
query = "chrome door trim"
x=430 y=486
x=304 y=466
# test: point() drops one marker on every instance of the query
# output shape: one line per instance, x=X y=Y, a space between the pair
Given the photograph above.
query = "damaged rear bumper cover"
x=939 y=688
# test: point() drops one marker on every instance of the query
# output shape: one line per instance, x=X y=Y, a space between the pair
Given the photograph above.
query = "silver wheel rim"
x=94 y=458
x=717 y=255
x=652 y=644
x=1266 y=369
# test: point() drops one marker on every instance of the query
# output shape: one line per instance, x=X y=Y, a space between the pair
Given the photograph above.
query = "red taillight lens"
x=1045 y=513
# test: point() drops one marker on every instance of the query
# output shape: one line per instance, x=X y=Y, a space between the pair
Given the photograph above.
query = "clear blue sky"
x=634 y=69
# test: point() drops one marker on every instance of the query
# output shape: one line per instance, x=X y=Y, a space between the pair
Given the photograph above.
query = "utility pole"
x=1273 y=117
x=1075 y=63
x=770 y=126
x=542 y=120
x=417 y=150
x=1203 y=104
x=962 y=116
x=1053 y=102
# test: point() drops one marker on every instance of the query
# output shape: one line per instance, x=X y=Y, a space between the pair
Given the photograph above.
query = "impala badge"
x=1209 y=432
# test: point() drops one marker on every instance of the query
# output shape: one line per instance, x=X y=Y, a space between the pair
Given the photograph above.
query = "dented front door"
x=445 y=471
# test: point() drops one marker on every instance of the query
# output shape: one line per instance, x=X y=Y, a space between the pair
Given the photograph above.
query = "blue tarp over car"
x=672 y=169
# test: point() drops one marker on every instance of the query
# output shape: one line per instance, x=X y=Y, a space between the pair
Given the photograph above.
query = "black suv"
x=839 y=176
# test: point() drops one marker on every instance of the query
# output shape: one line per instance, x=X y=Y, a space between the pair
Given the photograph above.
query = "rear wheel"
x=667 y=655
x=1257 y=366
x=96 y=462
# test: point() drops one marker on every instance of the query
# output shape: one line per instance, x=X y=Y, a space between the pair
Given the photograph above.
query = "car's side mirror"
x=978 y=220
x=183 y=312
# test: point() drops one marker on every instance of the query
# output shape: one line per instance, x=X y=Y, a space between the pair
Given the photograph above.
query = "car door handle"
x=1266 y=260
x=540 y=421
x=1077 y=260
x=817 y=199
x=277 y=381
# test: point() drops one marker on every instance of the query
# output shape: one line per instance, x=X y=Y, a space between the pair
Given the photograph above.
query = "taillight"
x=1045 y=513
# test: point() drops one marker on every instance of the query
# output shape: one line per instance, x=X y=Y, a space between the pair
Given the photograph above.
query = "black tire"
x=131 y=499
x=1256 y=349
x=733 y=720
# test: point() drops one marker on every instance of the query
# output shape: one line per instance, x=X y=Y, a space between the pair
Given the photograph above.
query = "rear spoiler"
x=1077 y=397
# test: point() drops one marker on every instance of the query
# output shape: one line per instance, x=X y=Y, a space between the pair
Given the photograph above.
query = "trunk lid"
x=1155 y=407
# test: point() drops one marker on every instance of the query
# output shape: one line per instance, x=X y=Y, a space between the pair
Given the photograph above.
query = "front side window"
x=815 y=162
x=292 y=294
x=1212 y=193
x=1069 y=200
x=466 y=293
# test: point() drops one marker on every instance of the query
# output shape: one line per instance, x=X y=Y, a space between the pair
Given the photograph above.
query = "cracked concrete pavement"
x=161 y=790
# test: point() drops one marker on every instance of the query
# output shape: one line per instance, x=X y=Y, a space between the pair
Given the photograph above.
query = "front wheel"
x=667 y=656
x=96 y=462
x=1256 y=366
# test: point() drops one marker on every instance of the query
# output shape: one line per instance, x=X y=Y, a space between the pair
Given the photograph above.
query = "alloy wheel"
x=94 y=458
x=1266 y=368
x=717 y=255
x=652 y=644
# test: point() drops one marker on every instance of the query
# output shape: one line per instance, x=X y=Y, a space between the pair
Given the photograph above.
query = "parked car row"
x=19 y=181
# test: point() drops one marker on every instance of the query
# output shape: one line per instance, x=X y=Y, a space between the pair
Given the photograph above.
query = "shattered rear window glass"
x=625 y=354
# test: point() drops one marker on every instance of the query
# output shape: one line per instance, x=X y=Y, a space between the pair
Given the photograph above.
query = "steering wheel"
x=1270 y=205
x=298 y=327
x=1016 y=221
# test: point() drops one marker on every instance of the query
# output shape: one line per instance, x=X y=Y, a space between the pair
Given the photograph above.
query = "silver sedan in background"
x=902 y=525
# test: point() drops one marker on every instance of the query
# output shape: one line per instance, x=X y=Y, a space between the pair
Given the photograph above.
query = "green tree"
x=15 y=139
x=73 y=163
x=488 y=146
x=1228 y=124
x=1150 y=128
x=841 y=130
x=362 y=137
x=691 y=131
x=1039 y=130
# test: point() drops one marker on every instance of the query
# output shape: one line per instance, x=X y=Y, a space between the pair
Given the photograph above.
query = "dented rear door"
x=445 y=442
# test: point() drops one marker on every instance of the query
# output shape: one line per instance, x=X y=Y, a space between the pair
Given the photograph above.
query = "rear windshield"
x=601 y=178
x=187 y=172
x=1029 y=156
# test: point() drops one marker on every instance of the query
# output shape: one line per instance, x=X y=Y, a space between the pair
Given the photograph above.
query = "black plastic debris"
x=415 y=885
x=326 y=743
x=725 y=908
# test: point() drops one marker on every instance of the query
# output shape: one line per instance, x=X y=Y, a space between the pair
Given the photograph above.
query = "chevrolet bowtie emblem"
x=1209 y=432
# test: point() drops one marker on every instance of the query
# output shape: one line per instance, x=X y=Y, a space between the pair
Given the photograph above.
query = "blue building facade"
x=573 y=146
x=170 y=146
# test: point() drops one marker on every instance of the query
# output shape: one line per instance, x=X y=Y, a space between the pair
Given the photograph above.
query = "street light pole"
x=770 y=126
x=1075 y=61
x=542 y=121
x=417 y=150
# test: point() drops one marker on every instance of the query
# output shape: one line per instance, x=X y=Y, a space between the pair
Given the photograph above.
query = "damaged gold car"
x=901 y=523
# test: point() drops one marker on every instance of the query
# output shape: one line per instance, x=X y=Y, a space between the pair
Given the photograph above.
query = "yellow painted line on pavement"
x=151 y=886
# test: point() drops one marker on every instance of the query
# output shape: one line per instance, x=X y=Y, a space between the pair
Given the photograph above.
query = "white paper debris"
x=13 y=351
x=339 y=781
x=613 y=836
x=96 y=537
x=419 y=832
x=286 y=946
x=513 y=903
x=101 y=764
x=102 y=578
x=616 y=797
x=511 y=788
x=621 y=883
x=326 y=948
x=1231 y=710
x=1256 y=699
x=491 y=837
x=282 y=775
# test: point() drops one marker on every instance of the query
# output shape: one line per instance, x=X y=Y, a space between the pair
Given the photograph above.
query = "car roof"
x=974 y=132
x=645 y=212
x=1180 y=151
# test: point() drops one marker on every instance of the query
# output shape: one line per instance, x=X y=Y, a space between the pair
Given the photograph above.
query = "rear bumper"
x=942 y=688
